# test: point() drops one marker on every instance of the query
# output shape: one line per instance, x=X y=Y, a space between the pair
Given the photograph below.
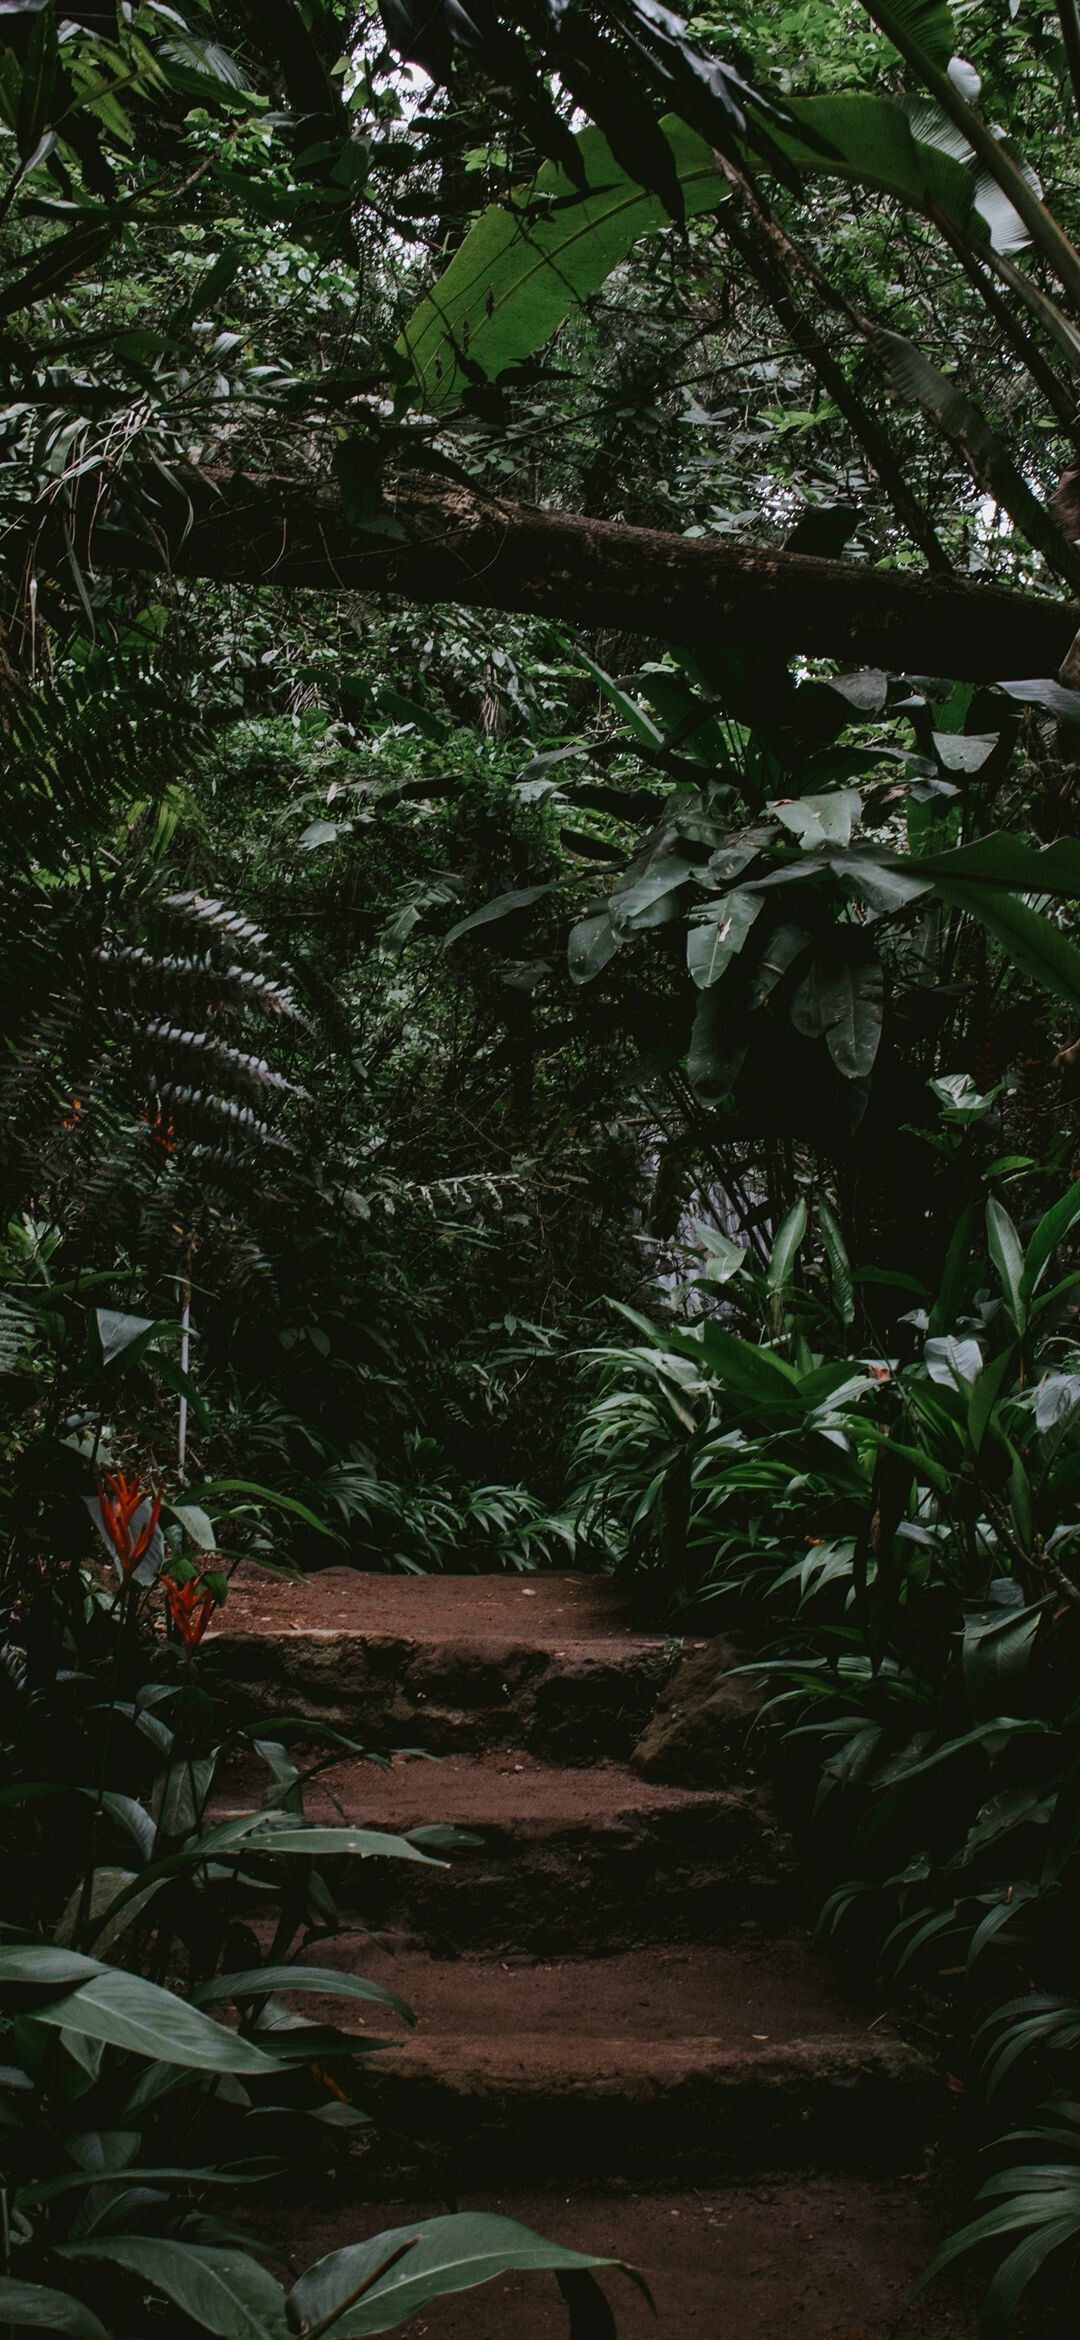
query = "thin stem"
x=1054 y=390
x=1069 y=20
x=811 y=345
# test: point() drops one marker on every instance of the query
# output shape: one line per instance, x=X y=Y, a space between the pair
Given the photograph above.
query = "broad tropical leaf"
x=223 y=2290
x=449 y=2254
x=524 y=264
x=126 y=2011
x=46 y=2310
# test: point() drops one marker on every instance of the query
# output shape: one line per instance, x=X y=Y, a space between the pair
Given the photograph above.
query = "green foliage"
x=896 y=1528
x=361 y=967
x=132 y=2112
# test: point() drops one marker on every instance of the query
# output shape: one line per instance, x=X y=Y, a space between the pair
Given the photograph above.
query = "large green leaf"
x=903 y=151
x=49 y=2311
x=448 y=2254
x=1031 y=940
x=1053 y=1227
x=714 y=938
x=757 y=1375
x=128 y=2012
x=1004 y=860
x=787 y=1244
x=224 y=2291
x=40 y=1963
x=525 y=263
x=844 y=1005
x=504 y=906
x=716 y=1054
x=367 y=1843
x=927 y=25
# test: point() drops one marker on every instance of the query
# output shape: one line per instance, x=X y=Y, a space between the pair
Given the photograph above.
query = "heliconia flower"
x=191 y=1607
x=162 y=1132
x=120 y=1500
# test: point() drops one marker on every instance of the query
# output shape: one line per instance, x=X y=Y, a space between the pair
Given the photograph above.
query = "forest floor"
x=626 y=2036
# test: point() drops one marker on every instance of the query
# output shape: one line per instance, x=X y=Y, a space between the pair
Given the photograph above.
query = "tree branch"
x=457 y=545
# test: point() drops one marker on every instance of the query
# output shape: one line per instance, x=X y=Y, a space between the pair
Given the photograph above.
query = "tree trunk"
x=455 y=545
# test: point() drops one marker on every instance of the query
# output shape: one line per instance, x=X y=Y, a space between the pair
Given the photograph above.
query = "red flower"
x=191 y=1606
x=120 y=1500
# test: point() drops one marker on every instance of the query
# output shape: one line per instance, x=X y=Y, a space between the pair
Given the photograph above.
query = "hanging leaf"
x=927 y=24
x=843 y=1282
x=995 y=1655
x=593 y=942
x=715 y=1056
x=845 y=1006
x=118 y=1333
x=713 y=940
x=503 y=907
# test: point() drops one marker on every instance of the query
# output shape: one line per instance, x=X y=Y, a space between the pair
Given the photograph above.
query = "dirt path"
x=625 y=2036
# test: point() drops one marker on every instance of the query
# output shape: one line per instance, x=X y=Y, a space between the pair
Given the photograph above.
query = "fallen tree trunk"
x=460 y=546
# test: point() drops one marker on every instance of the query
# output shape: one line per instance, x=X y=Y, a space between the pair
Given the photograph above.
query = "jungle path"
x=625 y=2035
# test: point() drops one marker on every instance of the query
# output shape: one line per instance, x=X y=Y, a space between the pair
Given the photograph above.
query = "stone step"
x=799 y=2258
x=569 y=1859
x=686 y=2062
x=447 y=1663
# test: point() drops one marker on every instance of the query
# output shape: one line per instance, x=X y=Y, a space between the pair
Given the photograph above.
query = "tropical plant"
x=141 y=1903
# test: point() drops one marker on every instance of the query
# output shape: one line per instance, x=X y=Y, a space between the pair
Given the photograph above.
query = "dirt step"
x=570 y=1859
x=820 y=2258
x=456 y=1662
x=685 y=2062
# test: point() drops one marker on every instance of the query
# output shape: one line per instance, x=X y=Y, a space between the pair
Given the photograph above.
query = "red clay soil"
x=735 y=1996
x=624 y=2038
x=544 y=1612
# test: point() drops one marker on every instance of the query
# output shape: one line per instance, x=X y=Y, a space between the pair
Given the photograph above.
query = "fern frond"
x=235 y=1063
x=207 y=911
